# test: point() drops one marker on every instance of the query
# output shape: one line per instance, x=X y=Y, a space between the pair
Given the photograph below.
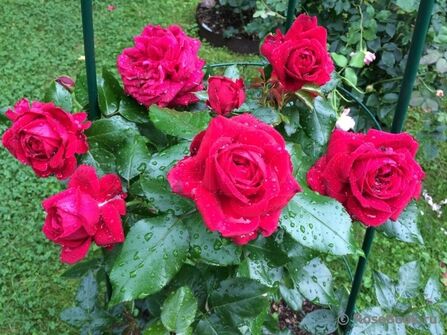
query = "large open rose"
x=89 y=210
x=240 y=176
x=46 y=137
x=374 y=175
x=163 y=67
x=300 y=56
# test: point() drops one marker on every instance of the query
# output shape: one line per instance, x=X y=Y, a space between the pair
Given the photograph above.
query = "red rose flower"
x=300 y=56
x=374 y=175
x=224 y=94
x=163 y=67
x=240 y=176
x=89 y=210
x=46 y=137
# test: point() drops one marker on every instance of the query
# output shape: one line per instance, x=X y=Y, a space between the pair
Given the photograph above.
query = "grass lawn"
x=41 y=39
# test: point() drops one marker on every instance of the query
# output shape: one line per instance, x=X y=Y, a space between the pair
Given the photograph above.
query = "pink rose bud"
x=224 y=94
x=439 y=93
x=369 y=57
x=345 y=122
x=67 y=82
x=111 y=8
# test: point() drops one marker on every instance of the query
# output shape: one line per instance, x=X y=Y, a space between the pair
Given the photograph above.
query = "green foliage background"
x=42 y=39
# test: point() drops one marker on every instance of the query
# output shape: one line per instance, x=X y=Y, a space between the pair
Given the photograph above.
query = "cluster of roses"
x=239 y=172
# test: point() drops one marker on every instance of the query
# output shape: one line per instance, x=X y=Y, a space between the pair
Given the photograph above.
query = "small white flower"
x=345 y=122
x=369 y=57
x=439 y=93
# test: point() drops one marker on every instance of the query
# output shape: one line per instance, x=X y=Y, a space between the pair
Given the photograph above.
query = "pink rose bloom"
x=162 y=68
x=89 y=210
x=46 y=137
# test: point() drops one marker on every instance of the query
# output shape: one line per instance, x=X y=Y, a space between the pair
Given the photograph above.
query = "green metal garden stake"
x=90 y=66
x=417 y=47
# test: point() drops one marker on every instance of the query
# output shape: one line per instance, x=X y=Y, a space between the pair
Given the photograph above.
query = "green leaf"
x=109 y=133
x=314 y=281
x=405 y=227
x=239 y=299
x=232 y=72
x=132 y=110
x=259 y=269
x=267 y=114
x=407 y=5
x=305 y=97
x=350 y=77
x=319 y=122
x=160 y=196
x=357 y=60
x=432 y=291
x=156 y=328
x=133 y=156
x=409 y=280
x=320 y=223
x=74 y=316
x=101 y=159
x=212 y=325
x=369 y=328
x=434 y=322
x=87 y=291
x=60 y=96
x=109 y=93
x=268 y=249
x=385 y=290
x=208 y=247
x=161 y=162
x=80 y=90
x=340 y=60
x=292 y=297
x=312 y=88
x=180 y=124
x=80 y=269
x=3 y=118
x=179 y=310
x=321 y=321
x=152 y=254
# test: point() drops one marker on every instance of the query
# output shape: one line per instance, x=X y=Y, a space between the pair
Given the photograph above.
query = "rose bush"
x=254 y=233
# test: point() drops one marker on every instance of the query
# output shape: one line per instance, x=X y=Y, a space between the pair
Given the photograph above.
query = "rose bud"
x=46 y=137
x=369 y=57
x=374 y=175
x=224 y=94
x=66 y=82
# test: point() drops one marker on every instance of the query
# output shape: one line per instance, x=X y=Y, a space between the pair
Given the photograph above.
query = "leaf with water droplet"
x=179 y=310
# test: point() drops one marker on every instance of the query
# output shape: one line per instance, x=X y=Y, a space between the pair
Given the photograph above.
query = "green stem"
x=290 y=13
x=236 y=63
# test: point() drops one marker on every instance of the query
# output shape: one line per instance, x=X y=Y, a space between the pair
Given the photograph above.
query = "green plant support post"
x=90 y=66
x=416 y=49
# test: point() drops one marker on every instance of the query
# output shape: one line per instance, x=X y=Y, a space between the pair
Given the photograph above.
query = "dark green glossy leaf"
x=409 y=280
x=319 y=322
x=132 y=110
x=267 y=115
x=432 y=291
x=434 y=321
x=339 y=59
x=74 y=316
x=133 y=157
x=350 y=77
x=152 y=254
x=212 y=325
x=60 y=96
x=179 y=310
x=385 y=290
x=319 y=122
x=156 y=328
x=405 y=227
x=109 y=93
x=80 y=90
x=180 y=124
x=87 y=291
x=320 y=223
x=101 y=159
x=368 y=328
x=208 y=247
x=292 y=297
x=239 y=299
x=314 y=281
x=160 y=196
x=80 y=269
x=259 y=269
x=268 y=249
x=161 y=162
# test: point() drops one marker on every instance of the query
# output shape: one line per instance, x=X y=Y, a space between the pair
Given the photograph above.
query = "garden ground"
x=43 y=39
